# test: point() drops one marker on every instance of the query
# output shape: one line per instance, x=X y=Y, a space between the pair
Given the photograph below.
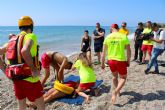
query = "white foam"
x=131 y=36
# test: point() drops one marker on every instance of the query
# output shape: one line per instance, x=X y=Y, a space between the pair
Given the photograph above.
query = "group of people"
x=149 y=39
x=23 y=66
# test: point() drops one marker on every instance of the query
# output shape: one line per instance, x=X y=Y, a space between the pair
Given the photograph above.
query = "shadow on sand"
x=137 y=97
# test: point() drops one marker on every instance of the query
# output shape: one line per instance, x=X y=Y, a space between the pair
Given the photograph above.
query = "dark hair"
x=98 y=23
x=155 y=25
x=86 y=31
x=124 y=23
x=25 y=28
x=140 y=24
x=70 y=63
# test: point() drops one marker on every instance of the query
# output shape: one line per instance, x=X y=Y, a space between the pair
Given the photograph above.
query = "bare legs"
x=88 y=54
x=144 y=56
x=81 y=93
x=38 y=102
x=50 y=95
x=99 y=56
x=118 y=85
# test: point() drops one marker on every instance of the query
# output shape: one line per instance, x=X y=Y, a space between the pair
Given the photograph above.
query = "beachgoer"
x=138 y=42
x=116 y=44
x=147 y=43
x=54 y=93
x=158 y=48
x=87 y=76
x=98 y=35
x=29 y=87
x=123 y=29
x=58 y=61
x=86 y=45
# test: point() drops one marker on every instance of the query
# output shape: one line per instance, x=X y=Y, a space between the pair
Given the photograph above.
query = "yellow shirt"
x=147 y=42
x=33 y=52
x=124 y=31
x=87 y=74
x=116 y=43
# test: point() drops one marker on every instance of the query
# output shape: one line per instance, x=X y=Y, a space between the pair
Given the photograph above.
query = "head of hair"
x=70 y=64
x=140 y=24
x=124 y=23
x=156 y=25
x=86 y=31
x=26 y=28
x=84 y=59
x=98 y=23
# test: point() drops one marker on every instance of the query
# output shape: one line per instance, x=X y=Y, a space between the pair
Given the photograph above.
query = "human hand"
x=35 y=73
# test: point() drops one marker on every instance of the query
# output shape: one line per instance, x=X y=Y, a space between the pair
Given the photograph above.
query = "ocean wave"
x=131 y=36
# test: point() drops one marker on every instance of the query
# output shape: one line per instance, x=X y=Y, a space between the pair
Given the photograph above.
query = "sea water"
x=64 y=39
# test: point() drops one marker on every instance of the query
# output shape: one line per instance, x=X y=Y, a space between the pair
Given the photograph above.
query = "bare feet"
x=31 y=105
x=87 y=99
x=114 y=96
x=96 y=91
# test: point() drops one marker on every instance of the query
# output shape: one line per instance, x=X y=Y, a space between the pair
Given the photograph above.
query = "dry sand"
x=141 y=92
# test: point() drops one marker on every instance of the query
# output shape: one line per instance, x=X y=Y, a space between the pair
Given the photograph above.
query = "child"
x=87 y=76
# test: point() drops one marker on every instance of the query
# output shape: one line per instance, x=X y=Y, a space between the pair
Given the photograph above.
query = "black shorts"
x=98 y=47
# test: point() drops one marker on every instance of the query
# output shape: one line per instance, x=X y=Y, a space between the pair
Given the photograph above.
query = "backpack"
x=158 y=34
x=13 y=53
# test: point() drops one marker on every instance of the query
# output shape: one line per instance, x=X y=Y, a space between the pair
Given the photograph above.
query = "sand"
x=141 y=92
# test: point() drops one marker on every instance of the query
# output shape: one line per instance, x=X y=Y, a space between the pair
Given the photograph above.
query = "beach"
x=141 y=92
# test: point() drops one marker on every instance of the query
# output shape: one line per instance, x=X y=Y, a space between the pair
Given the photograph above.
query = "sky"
x=82 y=12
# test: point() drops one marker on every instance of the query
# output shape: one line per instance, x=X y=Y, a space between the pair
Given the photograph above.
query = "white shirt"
x=159 y=37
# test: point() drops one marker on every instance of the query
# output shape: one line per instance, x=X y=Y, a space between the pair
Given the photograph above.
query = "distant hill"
x=162 y=25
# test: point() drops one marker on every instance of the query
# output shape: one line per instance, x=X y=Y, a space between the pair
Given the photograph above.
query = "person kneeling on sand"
x=116 y=43
x=87 y=76
x=58 y=61
x=53 y=93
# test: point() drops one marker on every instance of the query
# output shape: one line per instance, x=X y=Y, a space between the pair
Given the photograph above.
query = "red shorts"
x=86 y=86
x=118 y=66
x=147 y=48
x=45 y=60
x=71 y=84
x=24 y=89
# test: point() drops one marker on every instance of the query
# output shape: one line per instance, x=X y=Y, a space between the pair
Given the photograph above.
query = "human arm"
x=81 y=43
x=28 y=58
x=2 y=52
x=161 y=39
x=103 y=56
x=90 y=42
x=47 y=74
x=61 y=70
x=128 y=54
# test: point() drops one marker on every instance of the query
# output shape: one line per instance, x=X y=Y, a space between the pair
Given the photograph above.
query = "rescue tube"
x=63 y=88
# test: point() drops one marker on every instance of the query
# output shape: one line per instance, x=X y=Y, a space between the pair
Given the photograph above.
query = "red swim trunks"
x=118 y=66
x=24 y=89
x=45 y=60
x=86 y=86
x=147 y=48
x=71 y=84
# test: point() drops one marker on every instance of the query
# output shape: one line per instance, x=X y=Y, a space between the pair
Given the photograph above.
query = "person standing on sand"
x=158 y=49
x=98 y=35
x=86 y=45
x=29 y=87
x=138 y=42
x=123 y=29
x=58 y=61
x=147 y=44
x=116 y=44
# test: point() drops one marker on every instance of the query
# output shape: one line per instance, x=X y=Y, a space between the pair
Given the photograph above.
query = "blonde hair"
x=84 y=59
